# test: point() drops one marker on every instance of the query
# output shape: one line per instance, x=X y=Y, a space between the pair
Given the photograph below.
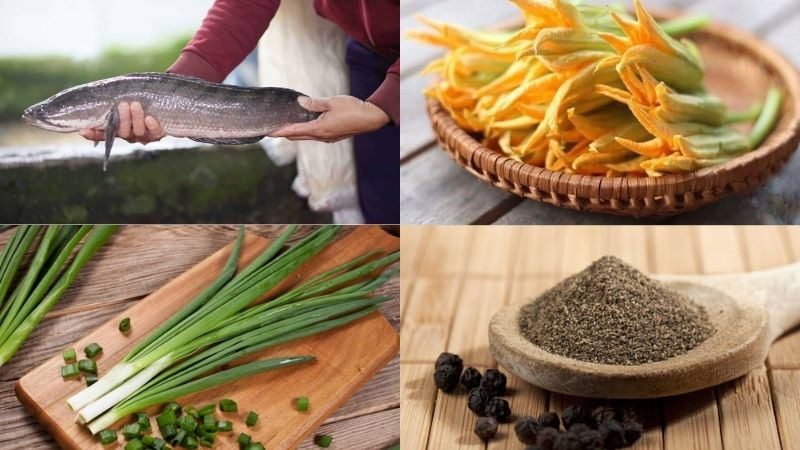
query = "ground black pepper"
x=498 y=408
x=526 y=429
x=613 y=314
x=477 y=400
x=494 y=382
x=446 y=378
x=471 y=378
x=486 y=428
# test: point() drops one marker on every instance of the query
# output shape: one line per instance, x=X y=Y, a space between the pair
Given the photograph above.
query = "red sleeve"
x=387 y=96
x=229 y=33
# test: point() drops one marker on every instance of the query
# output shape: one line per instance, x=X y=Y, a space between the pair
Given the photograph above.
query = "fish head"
x=70 y=110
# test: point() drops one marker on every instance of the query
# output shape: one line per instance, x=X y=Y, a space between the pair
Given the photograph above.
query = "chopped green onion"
x=108 y=437
x=252 y=418
x=166 y=418
x=208 y=409
x=189 y=442
x=201 y=433
x=159 y=444
x=87 y=366
x=256 y=446
x=148 y=440
x=69 y=371
x=224 y=425
x=125 y=325
x=168 y=431
x=243 y=439
x=210 y=424
x=92 y=350
x=144 y=421
x=192 y=411
x=179 y=437
x=131 y=431
x=302 y=404
x=90 y=379
x=187 y=423
x=69 y=356
x=135 y=444
x=174 y=406
x=206 y=442
x=323 y=440
x=228 y=405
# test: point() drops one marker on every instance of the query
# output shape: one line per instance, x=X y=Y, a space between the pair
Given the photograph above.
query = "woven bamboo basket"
x=739 y=69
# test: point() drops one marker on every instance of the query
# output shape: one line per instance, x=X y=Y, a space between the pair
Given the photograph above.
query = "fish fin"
x=229 y=141
x=112 y=122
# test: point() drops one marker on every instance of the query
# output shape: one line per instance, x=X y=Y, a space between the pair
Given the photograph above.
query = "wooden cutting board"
x=346 y=357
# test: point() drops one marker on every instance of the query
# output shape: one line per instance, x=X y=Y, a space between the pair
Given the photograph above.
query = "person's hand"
x=342 y=116
x=133 y=126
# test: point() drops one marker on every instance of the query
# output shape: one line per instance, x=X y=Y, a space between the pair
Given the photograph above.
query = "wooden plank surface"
x=757 y=411
x=436 y=190
x=169 y=251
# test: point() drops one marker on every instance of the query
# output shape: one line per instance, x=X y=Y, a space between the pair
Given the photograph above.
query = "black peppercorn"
x=546 y=438
x=450 y=359
x=612 y=433
x=494 y=382
x=549 y=419
x=526 y=429
x=603 y=413
x=477 y=400
x=471 y=378
x=574 y=414
x=498 y=408
x=567 y=441
x=446 y=378
x=628 y=414
x=578 y=428
x=486 y=428
x=591 y=440
x=632 y=432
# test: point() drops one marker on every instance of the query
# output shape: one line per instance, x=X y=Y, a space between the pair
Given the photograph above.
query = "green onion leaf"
x=323 y=440
x=87 y=366
x=302 y=404
x=92 y=350
x=125 y=325
x=69 y=371
x=228 y=405
x=108 y=437
x=69 y=356
x=131 y=431
x=90 y=379
x=252 y=418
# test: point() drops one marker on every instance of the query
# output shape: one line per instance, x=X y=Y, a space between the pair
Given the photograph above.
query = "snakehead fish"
x=184 y=106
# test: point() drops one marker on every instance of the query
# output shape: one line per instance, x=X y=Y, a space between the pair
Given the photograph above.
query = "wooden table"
x=137 y=261
x=434 y=189
x=455 y=278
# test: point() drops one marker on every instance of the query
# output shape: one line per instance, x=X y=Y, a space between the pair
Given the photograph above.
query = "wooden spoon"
x=749 y=311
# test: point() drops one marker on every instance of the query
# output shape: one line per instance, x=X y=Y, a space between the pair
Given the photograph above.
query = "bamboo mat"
x=455 y=278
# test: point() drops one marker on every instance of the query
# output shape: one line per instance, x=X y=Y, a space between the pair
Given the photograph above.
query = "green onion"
x=208 y=409
x=92 y=350
x=174 y=407
x=135 y=444
x=192 y=411
x=108 y=437
x=148 y=440
x=69 y=371
x=90 y=379
x=87 y=366
x=189 y=442
x=228 y=405
x=168 y=431
x=201 y=433
x=144 y=421
x=210 y=424
x=226 y=322
x=159 y=444
x=179 y=437
x=252 y=418
x=302 y=404
x=166 y=418
x=323 y=440
x=131 y=431
x=47 y=277
x=206 y=442
x=187 y=423
x=69 y=356
x=125 y=325
x=224 y=425
x=243 y=439
x=256 y=446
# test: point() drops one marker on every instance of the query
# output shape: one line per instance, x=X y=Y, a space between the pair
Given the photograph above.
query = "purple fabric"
x=377 y=154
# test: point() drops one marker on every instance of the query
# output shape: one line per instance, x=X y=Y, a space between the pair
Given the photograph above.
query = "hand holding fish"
x=342 y=116
x=134 y=126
